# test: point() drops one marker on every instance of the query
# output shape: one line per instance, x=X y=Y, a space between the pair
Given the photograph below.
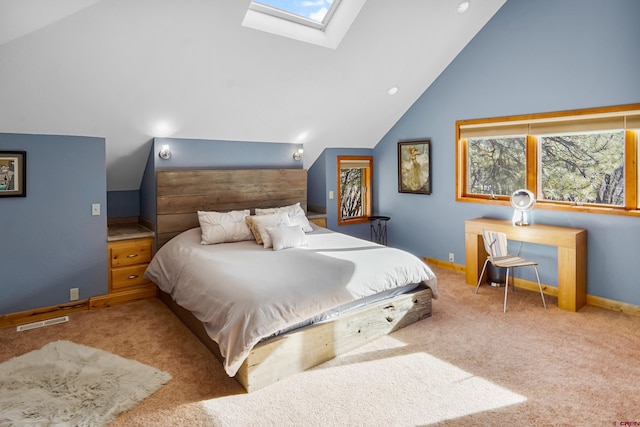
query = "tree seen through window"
x=583 y=168
x=497 y=166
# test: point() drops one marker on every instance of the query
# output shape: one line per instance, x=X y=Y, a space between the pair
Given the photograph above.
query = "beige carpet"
x=469 y=364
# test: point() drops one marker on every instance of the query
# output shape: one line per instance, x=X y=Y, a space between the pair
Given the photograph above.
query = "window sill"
x=557 y=207
x=353 y=221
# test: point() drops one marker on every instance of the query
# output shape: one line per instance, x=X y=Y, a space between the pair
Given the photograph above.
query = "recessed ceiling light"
x=393 y=90
x=463 y=6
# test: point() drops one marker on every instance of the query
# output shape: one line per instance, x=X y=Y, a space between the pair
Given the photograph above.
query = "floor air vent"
x=43 y=323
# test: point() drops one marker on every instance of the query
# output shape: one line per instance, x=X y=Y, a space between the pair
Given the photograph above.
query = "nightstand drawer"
x=128 y=276
x=131 y=252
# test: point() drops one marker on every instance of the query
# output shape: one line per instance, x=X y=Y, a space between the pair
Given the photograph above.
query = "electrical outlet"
x=74 y=294
x=452 y=258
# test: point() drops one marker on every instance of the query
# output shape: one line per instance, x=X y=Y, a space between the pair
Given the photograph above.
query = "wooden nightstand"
x=130 y=248
x=128 y=259
x=318 y=219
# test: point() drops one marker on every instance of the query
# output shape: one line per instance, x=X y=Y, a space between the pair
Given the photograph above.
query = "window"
x=314 y=14
x=496 y=165
x=585 y=159
x=583 y=168
x=354 y=189
x=321 y=22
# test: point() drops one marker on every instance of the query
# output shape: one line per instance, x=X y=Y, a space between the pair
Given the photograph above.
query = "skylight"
x=304 y=20
x=312 y=13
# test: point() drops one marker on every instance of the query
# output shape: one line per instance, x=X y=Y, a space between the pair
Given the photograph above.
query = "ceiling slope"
x=128 y=70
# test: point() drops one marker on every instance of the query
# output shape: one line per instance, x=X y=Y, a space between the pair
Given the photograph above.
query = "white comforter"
x=243 y=293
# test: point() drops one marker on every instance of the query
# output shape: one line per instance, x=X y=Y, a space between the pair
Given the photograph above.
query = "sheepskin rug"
x=70 y=384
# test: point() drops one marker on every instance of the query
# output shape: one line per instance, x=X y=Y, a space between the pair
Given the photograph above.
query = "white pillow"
x=296 y=214
x=287 y=237
x=222 y=227
x=259 y=225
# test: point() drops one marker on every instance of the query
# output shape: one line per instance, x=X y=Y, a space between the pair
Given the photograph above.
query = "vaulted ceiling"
x=129 y=70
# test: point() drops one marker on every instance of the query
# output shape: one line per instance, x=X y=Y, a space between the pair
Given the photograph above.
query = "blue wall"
x=123 y=204
x=317 y=192
x=531 y=57
x=50 y=240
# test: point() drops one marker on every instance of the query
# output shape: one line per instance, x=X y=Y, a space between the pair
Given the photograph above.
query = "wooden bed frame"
x=181 y=193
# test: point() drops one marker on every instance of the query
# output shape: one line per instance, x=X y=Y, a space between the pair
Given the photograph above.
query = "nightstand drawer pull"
x=123 y=253
x=125 y=277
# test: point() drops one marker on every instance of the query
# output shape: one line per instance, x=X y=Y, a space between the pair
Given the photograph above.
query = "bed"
x=266 y=313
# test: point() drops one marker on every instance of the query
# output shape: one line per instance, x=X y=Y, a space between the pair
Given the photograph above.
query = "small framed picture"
x=414 y=166
x=13 y=173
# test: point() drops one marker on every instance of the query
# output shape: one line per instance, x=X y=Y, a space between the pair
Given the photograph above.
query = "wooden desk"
x=572 y=254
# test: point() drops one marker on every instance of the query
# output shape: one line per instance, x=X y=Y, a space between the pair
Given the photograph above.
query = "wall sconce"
x=165 y=152
x=298 y=154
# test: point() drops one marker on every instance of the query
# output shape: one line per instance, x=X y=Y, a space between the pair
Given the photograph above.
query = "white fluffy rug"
x=70 y=384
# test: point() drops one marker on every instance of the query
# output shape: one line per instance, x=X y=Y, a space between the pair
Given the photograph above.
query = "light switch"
x=330 y=195
x=95 y=209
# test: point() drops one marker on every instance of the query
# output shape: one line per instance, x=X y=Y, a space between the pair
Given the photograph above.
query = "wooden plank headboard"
x=180 y=194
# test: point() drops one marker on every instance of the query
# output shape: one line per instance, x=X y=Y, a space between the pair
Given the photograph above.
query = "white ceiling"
x=128 y=70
